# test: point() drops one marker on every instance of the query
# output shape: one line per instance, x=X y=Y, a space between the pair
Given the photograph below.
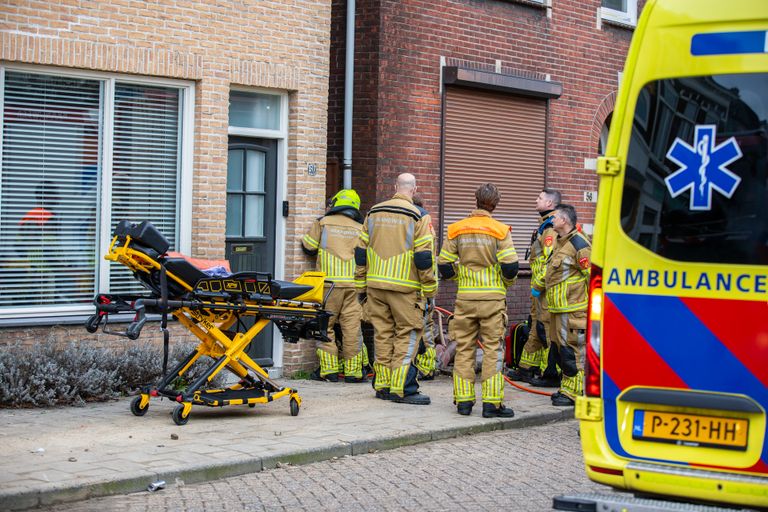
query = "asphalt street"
x=514 y=470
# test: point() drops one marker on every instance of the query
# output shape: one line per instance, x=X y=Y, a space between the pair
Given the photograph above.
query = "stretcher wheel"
x=177 y=415
x=294 y=407
x=136 y=408
x=251 y=405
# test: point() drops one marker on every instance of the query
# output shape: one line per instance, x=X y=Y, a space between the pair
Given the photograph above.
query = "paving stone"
x=335 y=420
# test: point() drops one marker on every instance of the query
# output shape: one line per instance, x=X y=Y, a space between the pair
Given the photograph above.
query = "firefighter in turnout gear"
x=426 y=358
x=395 y=270
x=537 y=365
x=567 y=282
x=332 y=239
x=480 y=255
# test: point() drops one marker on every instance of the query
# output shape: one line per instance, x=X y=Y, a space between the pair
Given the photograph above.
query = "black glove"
x=430 y=306
x=362 y=297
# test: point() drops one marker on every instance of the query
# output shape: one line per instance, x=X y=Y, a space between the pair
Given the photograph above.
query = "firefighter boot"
x=561 y=400
x=331 y=377
x=465 y=408
x=522 y=374
x=493 y=411
x=550 y=376
x=545 y=382
x=411 y=393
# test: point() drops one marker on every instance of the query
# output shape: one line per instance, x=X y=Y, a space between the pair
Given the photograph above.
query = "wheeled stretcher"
x=215 y=310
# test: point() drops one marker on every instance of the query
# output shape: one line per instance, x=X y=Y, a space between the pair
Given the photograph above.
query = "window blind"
x=48 y=191
x=145 y=164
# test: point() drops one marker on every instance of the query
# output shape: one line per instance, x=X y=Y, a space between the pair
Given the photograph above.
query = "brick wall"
x=397 y=80
x=277 y=44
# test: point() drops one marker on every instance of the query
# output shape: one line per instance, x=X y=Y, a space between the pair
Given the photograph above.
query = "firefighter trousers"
x=486 y=319
x=535 y=351
x=569 y=332
x=347 y=312
x=398 y=322
x=426 y=358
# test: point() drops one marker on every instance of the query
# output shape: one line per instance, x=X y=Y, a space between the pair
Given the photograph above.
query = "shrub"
x=49 y=374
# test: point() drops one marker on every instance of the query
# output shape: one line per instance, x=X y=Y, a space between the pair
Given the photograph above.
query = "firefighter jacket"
x=542 y=244
x=394 y=251
x=480 y=255
x=567 y=274
x=332 y=238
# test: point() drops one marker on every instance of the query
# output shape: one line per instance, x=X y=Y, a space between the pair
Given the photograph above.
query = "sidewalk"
x=68 y=454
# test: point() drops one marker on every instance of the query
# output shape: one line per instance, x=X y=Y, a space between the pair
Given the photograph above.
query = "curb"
x=134 y=482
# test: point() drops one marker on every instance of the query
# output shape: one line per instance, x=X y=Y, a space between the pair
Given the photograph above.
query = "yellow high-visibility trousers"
x=487 y=320
x=568 y=330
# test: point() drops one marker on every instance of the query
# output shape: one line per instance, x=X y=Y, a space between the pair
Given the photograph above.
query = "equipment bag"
x=515 y=340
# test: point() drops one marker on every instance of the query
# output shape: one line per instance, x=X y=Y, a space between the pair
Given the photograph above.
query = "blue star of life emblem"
x=703 y=167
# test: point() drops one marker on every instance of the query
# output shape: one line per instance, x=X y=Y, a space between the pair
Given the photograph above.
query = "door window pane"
x=254 y=215
x=254 y=110
x=234 y=215
x=255 y=171
x=50 y=169
x=235 y=170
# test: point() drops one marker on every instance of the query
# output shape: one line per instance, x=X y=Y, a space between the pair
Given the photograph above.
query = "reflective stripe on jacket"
x=542 y=245
x=567 y=274
x=395 y=235
x=334 y=237
x=476 y=247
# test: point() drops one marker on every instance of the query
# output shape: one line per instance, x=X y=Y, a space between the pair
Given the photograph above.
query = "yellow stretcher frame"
x=210 y=319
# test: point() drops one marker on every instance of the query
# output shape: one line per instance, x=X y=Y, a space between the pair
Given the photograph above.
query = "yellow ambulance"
x=677 y=359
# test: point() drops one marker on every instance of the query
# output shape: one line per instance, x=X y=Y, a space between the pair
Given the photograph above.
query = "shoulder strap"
x=578 y=242
x=397 y=210
x=548 y=222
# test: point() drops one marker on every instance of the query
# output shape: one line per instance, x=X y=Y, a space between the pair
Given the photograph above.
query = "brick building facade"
x=190 y=57
x=402 y=105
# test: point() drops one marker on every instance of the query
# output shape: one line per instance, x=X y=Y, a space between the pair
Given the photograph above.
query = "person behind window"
x=38 y=238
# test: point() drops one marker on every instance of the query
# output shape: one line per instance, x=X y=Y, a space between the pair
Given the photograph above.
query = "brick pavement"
x=68 y=454
x=520 y=470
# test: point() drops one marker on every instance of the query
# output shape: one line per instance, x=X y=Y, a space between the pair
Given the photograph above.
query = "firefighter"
x=567 y=279
x=426 y=358
x=537 y=366
x=395 y=271
x=480 y=255
x=332 y=239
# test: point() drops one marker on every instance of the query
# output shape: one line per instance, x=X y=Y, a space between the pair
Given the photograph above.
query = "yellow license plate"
x=690 y=429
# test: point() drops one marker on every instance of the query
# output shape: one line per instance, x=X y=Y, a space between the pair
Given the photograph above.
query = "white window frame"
x=628 y=17
x=51 y=314
x=281 y=136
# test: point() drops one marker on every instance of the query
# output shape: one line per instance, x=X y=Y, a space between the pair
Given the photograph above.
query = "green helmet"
x=346 y=197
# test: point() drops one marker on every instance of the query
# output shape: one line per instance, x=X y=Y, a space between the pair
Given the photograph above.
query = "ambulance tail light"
x=595 y=312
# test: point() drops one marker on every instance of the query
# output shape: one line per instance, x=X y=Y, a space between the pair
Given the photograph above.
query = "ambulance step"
x=620 y=502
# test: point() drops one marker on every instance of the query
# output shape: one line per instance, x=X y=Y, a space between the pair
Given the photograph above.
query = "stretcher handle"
x=328 y=293
x=133 y=331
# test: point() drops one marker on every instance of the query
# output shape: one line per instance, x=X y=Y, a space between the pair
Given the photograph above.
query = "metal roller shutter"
x=497 y=138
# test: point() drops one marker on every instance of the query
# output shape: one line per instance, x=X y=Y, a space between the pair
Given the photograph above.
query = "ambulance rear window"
x=696 y=185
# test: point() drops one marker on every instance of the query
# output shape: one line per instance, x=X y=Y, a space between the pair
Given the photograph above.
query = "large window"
x=79 y=154
x=696 y=186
